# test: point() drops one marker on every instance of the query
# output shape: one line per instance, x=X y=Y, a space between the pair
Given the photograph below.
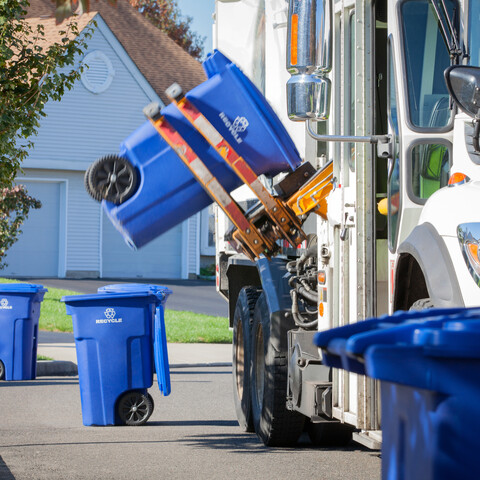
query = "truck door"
x=420 y=118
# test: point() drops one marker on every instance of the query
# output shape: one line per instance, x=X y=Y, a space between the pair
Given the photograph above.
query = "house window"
x=98 y=73
x=207 y=231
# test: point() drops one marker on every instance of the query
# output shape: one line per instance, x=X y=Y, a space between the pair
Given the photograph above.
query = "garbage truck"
x=371 y=210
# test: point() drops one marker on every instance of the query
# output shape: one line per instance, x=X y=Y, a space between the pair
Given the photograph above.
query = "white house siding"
x=161 y=258
x=78 y=130
x=39 y=251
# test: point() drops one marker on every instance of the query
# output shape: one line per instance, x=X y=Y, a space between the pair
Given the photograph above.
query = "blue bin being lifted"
x=429 y=366
x=19 y=314
x=115 y=355
x=159 y=334
x=167 y=191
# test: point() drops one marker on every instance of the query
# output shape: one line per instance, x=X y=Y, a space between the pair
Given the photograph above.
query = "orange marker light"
x=458 y=178
x=321 y=310
x=322 y=277
x=293 y=39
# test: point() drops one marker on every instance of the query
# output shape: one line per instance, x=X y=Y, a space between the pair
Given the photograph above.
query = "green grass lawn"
x=181 y=327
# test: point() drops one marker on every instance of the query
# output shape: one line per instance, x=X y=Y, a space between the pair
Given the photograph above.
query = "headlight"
x=469 y=238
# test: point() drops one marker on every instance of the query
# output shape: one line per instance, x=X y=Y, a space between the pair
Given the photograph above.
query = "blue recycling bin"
x=159 y=335
x=429 y=366
x=19 y=314
x=115 y=355
x=168 y=193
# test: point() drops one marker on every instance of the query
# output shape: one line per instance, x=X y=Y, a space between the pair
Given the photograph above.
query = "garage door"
x=36 y=252
x=161 y=258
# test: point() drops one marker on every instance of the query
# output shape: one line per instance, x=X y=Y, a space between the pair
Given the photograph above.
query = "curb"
x=56 y=368
x=60 y=368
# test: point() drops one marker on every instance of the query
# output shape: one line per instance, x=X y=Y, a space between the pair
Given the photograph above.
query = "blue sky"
x=201 y=11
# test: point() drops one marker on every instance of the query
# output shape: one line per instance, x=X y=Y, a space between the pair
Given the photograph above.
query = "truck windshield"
x=473 y=36
x=426 y=58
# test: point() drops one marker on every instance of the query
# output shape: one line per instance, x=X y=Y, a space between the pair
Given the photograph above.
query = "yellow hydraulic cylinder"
x=313 y=195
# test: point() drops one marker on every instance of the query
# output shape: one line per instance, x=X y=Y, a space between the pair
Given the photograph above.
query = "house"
x=131 y=63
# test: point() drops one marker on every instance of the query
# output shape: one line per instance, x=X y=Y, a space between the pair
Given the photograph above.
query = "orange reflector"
x=293 y=39
x=457 y=179
x=322 y=277
x=321 y=310
x=473 y=251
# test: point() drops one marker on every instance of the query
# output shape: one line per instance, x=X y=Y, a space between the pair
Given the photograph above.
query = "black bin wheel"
x=111 y=178
x=134 y=408
x=2 y=370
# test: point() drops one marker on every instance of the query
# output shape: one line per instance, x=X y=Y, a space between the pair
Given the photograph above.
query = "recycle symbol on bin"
x=240 y=124
x=110 y=313
x=3 y=302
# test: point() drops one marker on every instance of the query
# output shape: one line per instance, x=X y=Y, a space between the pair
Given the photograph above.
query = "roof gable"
x=160 y=60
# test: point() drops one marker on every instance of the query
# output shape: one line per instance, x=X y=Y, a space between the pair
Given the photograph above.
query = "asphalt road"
x=192 y=434
x=199 y=296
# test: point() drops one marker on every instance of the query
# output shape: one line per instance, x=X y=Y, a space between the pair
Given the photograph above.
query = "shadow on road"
x=241 y=443
x=5 y=473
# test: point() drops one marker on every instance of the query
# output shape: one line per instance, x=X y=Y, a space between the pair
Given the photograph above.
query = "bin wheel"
x=2 y=370
x=111 y=178
x=242 y=327
x=274 y=424
x=422 y=304
x=134 y=408
x=329 y=434
x=151 y=401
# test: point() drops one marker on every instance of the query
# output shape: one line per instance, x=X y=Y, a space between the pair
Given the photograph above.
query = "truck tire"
x=241 y=356
x=422 y=304
x=274 y=424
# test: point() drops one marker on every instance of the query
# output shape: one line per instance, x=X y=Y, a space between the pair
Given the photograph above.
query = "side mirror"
x=463 y=83
x=309 y=58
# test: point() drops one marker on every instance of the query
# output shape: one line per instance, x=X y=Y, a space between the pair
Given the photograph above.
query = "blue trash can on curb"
x=162 y=367
x=429 y=366
x=19 y=314
x=115 y=355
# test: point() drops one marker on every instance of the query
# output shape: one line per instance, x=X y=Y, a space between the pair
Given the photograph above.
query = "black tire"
x=111 y=178
x=134 y=408
x=274 y=424
x=241 y=356
x=422 y=304
x=328 y=434
x=2 y=371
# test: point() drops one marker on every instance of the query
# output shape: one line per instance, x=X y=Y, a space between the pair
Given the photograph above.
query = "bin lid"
x=107 y=296
x=21 y=288
x=161 y=292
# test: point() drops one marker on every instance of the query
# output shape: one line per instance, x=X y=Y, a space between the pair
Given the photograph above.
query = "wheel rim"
x=134 y=408
x=239 y=360
x=259 y=366
x=112 y=178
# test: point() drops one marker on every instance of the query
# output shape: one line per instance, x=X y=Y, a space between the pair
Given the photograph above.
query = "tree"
x=15 y=203
x=166 y=15
x=32 y=71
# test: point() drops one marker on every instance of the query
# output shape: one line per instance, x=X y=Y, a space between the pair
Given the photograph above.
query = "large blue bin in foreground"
x=162 y=367
x=19 y=314
x=167 y=192
x=115 y=355
x=429 y=366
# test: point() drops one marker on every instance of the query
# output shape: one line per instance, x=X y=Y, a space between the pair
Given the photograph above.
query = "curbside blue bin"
x=159 y=335
x=168 y=193
x=429 y=366
x=19 y=314
x=113 y=339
